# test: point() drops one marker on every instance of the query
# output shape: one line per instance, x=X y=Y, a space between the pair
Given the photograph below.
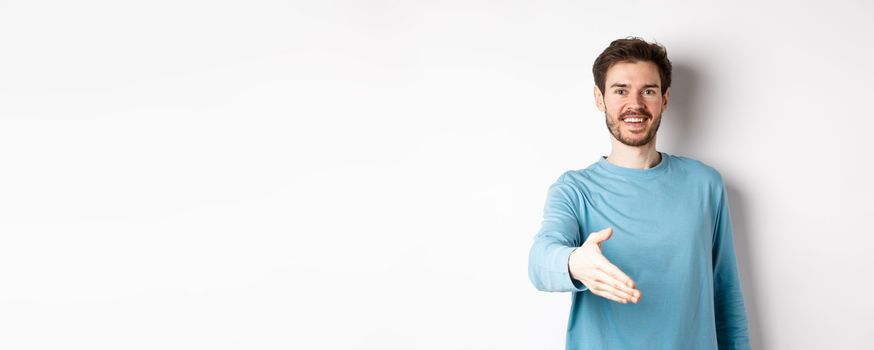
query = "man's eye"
x=649 y=92
x=620 y=92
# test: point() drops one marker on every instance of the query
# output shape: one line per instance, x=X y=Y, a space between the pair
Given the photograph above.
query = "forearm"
x=548 y=266
x=558 y=236
x=730 y=312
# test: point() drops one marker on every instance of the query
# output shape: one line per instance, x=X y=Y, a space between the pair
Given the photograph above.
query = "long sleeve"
x=731 y=319
x=558 y=237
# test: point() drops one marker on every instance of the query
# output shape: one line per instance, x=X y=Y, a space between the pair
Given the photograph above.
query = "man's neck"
x=643 y=157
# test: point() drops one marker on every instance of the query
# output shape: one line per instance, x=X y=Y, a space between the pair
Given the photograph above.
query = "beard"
x=630 y=139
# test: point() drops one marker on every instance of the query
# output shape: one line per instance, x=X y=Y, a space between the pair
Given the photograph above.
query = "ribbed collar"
x=657 y=170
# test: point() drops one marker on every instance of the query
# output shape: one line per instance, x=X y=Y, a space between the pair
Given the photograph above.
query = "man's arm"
x=558 y=237
x=731 y=318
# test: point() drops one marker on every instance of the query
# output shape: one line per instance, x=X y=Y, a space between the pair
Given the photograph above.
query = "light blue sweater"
x=672 y=235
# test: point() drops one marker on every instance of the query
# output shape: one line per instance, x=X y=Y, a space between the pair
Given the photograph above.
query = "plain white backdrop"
x=370 y=174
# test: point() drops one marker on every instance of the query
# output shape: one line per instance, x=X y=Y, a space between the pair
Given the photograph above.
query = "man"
x=642 y=238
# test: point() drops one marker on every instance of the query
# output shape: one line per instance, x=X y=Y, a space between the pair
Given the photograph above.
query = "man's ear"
x=666 y=98
x=599 y=99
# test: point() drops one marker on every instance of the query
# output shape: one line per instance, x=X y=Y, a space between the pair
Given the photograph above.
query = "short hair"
x=632 y=49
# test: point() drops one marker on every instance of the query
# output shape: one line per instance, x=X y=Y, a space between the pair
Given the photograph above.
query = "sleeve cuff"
x=574 y=285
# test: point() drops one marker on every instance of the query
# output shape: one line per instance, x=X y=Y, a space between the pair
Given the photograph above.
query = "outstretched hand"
x=588 y=265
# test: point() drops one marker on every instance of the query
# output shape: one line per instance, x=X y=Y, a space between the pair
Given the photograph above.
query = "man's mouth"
x=635 y=118
x=635 y=122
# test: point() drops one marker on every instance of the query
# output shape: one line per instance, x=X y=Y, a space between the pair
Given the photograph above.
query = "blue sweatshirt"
x=672 y=235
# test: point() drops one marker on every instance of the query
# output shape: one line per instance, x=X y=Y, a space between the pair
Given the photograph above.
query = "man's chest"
x=675 y=217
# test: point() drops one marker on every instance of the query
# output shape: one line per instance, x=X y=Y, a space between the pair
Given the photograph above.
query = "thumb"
x=602 y=235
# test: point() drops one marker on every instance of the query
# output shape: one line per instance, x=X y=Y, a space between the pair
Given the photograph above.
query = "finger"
x=612 y=286
x=598 y=290
x=622 y=297
x=627 y=284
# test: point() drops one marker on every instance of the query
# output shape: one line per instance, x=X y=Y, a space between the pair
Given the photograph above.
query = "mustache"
x=636 y=112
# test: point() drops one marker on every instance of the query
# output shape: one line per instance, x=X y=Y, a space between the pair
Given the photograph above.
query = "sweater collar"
x=658 y=169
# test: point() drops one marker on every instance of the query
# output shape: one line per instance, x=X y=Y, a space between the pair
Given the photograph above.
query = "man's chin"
x=636 y=142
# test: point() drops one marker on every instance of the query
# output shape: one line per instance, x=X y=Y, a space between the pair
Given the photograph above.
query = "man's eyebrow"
x=626 y=85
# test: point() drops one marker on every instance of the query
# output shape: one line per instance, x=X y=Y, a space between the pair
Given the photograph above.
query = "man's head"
x=632 y=81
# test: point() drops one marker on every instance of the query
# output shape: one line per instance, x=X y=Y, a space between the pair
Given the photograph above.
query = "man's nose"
x=638 y=99
x=637 y=104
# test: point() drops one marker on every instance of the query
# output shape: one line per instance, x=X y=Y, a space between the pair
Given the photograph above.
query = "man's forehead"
x=633 y=74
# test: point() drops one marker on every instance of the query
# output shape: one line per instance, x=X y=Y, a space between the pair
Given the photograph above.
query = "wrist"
x=570 y=263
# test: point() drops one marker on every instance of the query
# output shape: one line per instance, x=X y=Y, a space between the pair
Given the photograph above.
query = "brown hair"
x=632 y=49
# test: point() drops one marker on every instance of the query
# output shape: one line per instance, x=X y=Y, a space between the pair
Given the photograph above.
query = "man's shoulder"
x=578 y=180
x=576 y=176
x=696 y=168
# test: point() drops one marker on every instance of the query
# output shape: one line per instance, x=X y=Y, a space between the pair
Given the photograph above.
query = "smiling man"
x=641 y=238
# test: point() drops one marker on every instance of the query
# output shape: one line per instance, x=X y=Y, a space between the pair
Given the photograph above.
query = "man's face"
x=632 y=102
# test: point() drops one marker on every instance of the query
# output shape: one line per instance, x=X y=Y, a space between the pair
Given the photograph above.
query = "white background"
x=370 y=174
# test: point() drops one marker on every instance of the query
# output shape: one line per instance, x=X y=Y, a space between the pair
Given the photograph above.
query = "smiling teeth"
x=634 y=120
